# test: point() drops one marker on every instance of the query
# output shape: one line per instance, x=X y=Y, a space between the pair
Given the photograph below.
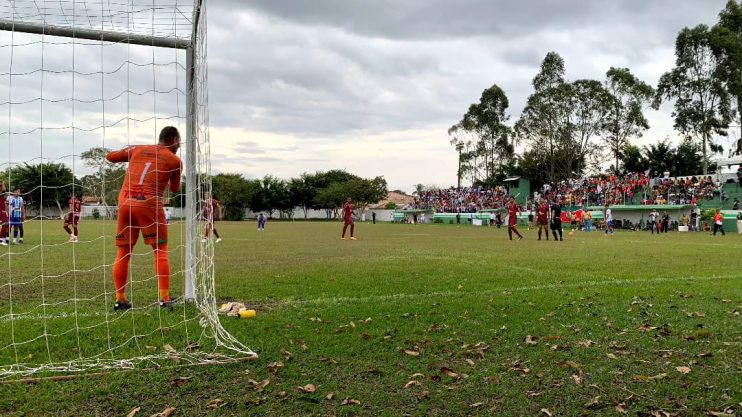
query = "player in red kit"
x=211 y=207
x=73 y=218
x=348 y=219
x=513 y=210
x=152 y=169
x=542 y=218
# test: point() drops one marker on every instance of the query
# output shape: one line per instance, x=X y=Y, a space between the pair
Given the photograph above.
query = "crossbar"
x=93 y=34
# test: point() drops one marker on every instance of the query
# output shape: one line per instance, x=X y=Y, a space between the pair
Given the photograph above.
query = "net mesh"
x=63 y=103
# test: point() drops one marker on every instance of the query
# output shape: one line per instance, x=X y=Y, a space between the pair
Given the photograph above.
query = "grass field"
x=417 y=320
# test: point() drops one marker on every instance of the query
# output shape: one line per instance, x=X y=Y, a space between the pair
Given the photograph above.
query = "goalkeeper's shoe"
x=121 y=305
x=166 y=302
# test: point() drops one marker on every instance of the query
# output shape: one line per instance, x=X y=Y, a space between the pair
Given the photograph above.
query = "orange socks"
x=162 y=268
x=121 y=271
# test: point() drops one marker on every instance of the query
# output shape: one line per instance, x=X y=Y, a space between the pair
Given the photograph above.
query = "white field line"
x=414 y=296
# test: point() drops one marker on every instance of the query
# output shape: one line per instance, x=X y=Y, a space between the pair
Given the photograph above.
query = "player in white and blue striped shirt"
x=17 y=214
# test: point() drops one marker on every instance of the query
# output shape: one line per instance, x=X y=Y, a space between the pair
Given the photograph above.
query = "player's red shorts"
x=3 y=223
x=542 y=221
x=135 y=216
x=512 y=220
x=71 y=219
x=348 y=221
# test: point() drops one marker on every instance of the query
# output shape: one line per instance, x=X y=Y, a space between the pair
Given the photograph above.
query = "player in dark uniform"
x=556 y=220
x=513 y=210
x=211 y=209
x=73 y=218
x=542 y=218
x=348 y=219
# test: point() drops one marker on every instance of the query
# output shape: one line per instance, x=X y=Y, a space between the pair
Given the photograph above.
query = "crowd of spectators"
x=636 y=188
x=464 y=200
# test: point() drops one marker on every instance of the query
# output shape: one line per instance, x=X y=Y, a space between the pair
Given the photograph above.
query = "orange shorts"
x=134 y=216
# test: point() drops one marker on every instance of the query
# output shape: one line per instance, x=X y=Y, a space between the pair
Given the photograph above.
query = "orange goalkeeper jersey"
x=152 y=169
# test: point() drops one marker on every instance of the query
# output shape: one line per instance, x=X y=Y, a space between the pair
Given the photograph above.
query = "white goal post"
x=58 y=350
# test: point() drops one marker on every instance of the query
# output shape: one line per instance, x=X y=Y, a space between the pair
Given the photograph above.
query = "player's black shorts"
x=556 y=225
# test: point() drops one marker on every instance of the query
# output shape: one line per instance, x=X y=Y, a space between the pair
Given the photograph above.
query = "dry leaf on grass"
x=178 y=381
x=719 y=414
x=350 y=401
x=330 y=396
x=530 y=340
x=476 y=405
x=683 y=369
x=645 y=378
x=545 y=411
x=308 y=389
x=585 y=343
x=593 y=402
x=412 y=352
x=577 y=379
x=215 y=403
x=169 y=349
x=621 y=408
x=165 y=413
x=274 y=367
x=411 y=383
x=133 y=412
x=647 y=328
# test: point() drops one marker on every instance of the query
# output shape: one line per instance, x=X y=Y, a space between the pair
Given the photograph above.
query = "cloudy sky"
x=372 y=86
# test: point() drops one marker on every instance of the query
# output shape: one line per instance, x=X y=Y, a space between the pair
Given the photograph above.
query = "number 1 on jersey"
x=146 y=169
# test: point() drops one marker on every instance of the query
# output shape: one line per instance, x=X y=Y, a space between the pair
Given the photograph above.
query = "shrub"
x=96 y=213
x=391 y=205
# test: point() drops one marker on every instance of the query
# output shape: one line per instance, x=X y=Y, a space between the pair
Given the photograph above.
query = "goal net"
x=79 y=78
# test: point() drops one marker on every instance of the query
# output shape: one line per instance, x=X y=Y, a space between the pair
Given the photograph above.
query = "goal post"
x=59 y=322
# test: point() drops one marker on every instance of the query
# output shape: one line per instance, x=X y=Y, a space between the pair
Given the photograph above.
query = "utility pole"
x=459 y=148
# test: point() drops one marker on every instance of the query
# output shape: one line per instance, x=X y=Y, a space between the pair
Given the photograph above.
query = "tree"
x=660 y=157
x=701 y=102
x=633 y=160
x=366 y=191
x=590 y=104
x=43 y=185
x=688 y=158
x=726 y=45
x=331 y=198
x=270 y=194
x=107 y=180
x=625 y=118
x=543 y=121
x=234 y=192
x=303 y=191
x=484 y=123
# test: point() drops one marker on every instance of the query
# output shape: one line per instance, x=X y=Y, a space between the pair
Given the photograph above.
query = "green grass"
x=612 y=320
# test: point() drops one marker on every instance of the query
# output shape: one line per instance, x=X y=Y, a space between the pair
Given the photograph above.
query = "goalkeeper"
x=152 y=168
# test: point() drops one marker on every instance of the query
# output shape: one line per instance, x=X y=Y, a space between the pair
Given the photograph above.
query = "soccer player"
x=556 y=220
x=542 y=218
x=718 y=223
x=152 y=169
x=653 y=221
x=609 y=221
x=73 y=218
x=513 y=210
x=210 y=207
x=17 y=214
x=261 y=222
x=168 y=215
x=348 y=219
x=3 y=217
